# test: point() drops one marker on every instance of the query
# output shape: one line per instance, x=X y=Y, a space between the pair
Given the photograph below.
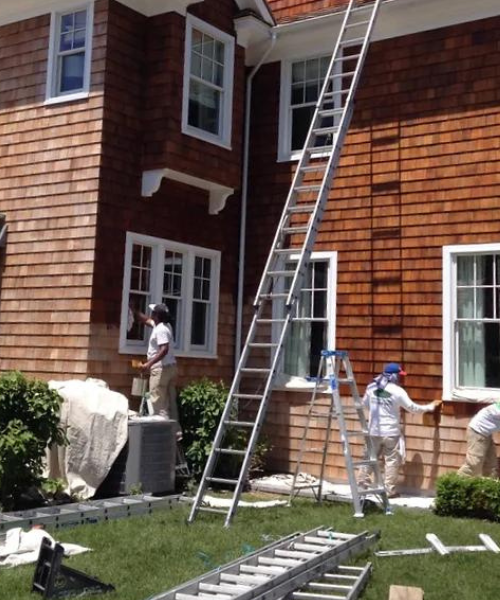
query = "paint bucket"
x=139 y=386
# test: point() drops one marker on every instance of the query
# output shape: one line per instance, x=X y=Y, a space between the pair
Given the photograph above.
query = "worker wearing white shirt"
x=384 y=399
x=481 y=458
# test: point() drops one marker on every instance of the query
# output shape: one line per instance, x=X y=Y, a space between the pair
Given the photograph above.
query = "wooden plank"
x=399 y=592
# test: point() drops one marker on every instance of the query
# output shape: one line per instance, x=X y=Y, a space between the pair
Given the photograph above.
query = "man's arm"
x=142 y=318
x=408 y=404
x=162 y=351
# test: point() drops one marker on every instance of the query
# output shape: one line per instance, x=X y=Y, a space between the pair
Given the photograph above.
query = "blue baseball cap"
x=394 y=368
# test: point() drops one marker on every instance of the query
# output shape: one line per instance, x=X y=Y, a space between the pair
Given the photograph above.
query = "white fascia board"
x=150 y=8
x=317 y=35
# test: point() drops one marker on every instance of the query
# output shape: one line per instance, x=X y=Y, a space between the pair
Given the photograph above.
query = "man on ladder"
x=384 y=398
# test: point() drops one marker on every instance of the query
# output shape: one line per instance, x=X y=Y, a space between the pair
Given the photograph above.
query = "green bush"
x=200 y=405
x=477 y=497
x=29 y=422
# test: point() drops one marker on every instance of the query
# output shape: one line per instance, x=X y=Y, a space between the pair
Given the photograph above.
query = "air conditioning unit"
x=147 y=462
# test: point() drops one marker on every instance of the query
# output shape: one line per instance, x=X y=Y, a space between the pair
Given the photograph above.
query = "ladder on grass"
x=282 y=278
x=335 y=370
x=285 y=567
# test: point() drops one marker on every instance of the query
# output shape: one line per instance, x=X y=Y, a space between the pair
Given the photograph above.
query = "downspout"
x=244 y=199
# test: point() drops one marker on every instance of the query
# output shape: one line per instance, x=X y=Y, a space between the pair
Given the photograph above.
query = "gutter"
x=244 y=200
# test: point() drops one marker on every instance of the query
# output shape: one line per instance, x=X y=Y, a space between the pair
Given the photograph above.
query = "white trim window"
x=208 y=83
x=185 y=278
x=471 y=321
x=301 y=83
x=313 y=327
x=68 y=76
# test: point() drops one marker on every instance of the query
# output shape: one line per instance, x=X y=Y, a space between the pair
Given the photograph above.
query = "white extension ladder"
x=336 y=373
x=285 y=567
x=283 y=277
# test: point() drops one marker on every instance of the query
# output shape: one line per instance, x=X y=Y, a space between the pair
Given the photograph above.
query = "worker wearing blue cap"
x=384 y=398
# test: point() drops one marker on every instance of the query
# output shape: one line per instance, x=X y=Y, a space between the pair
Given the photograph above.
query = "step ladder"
x=283 y=275
x=335 y=374
x=280 y=568
x=91 y=511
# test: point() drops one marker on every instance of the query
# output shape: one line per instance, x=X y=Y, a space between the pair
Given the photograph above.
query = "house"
x=126 y=174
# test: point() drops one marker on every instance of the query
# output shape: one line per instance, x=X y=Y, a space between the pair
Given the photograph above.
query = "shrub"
x=29 y=422
x=200 y=405
x=459 y=496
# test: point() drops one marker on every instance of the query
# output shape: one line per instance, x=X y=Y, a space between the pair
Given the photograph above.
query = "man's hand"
x=437 y=404
x=144 y=367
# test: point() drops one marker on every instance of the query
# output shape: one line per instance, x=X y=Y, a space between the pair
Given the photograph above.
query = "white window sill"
x=135 y=350
x=206 y=137
x=66 y=98
x=287 y=383
x=473 y=395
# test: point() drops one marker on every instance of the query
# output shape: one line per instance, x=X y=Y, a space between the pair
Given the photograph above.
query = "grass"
x=143 y=556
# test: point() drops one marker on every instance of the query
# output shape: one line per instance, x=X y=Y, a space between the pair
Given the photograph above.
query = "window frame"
x=225 y=122
x=285 y=152
x=292 y=382
x=183 y=345
x=52 y=95
x=451 y=390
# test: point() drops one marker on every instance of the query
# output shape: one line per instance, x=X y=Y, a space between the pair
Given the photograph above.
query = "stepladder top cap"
x=337 y=353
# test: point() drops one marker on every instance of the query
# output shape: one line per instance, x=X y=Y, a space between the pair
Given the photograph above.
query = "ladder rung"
x=312 y=596
x=231 y=590
x=357 y=24
x=292 y=554
x=309 y=547
x=351 y=569
x=339 y=576
x=268 y=561
x=302 y=208
x=286 y=250
x=255 y=369
x=262 y=345
x=209 y=509
x=244 y=579
x=365 y=462
x=319 y=149
x=301 y=189
x=295 y=230
x=356 y=433
x=318 y=166
x=281 y=273
x=314 y=585
x=353 y=41
x=262 y=570
x=223 y=481
x=239 y=423
x=330 y=112
x=342 y=76
x=325 y=131
x=248 y=396
x=348 y=57
x=272 y=296
x=230 y=451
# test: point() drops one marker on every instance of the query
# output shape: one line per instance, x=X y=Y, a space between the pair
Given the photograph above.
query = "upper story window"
x=68 y=74
x=302 y=81
x=208 y=83
x=471 y=313
x=185 y=278
x=313 y=327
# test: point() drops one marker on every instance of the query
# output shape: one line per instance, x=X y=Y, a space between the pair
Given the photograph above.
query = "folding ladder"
x=335 y=370
x=283 y=567
x=283 y=276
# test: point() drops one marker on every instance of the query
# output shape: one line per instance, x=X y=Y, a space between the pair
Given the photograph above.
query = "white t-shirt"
x=487 y=420
x=384 y=406
x=162 y=334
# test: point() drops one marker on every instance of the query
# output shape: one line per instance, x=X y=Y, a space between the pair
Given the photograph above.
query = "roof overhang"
x=18 y=10
x=317 y=35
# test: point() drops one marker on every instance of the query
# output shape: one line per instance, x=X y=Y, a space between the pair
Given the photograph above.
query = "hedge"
x=475 y=497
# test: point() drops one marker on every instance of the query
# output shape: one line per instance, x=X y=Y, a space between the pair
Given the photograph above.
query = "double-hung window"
x=185 y=278
x=313 y=326
x=70 y=54
x=471 y=321
x=302 y=81
x=208 y=83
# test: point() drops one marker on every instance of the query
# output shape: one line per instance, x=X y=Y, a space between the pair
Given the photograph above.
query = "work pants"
x=481 y=457
x=163 y=393
x=388 y=448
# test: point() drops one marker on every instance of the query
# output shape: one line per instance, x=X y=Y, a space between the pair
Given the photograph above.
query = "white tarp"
x=95 y=420
x=23 y=547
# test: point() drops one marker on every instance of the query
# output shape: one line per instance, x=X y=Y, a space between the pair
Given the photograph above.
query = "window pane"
x=219 y=52
x=199 y=324
x=72 y=68
x=465 y=270
x=79 y=39
x=484 y=303
x=297 y=94
x=81 y=19
x=66 y=42
x=298 y=72
x=484 y=268
x=207 y=70
x=465 y=303
x=478 y=355
x=301 y=120
x=196 y=65
x=311 y=91
x=67 y=23
x=175 y=308
x=319 y=305
x=204 y=107
x=137 y=329
x=297 y=349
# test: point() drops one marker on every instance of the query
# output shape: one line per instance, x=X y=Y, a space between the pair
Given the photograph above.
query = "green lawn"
x=143 y=556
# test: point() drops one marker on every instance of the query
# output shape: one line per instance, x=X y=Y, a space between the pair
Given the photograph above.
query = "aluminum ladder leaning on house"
x=283 y=568
x=283 y=277
x=335 y=371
